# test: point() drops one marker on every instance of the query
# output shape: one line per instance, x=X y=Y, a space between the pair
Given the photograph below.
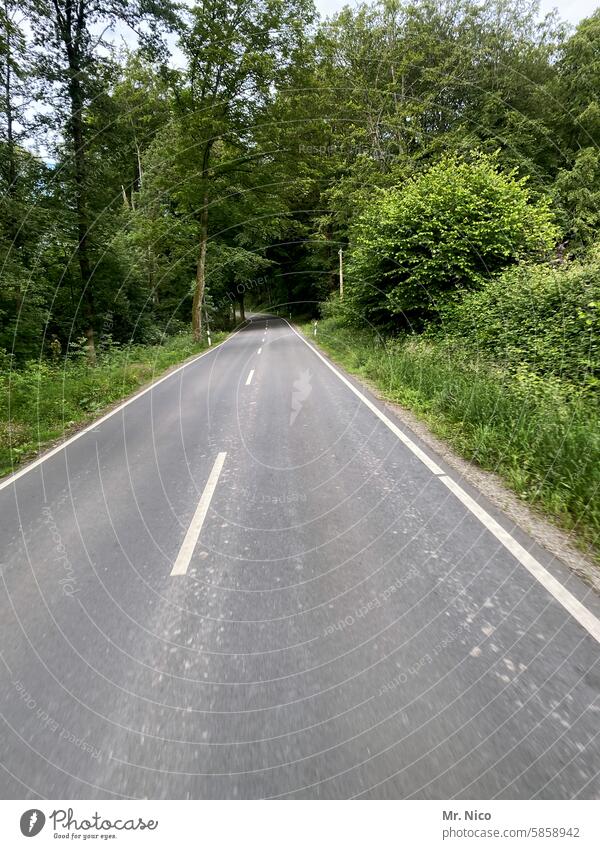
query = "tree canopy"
x=232 y=147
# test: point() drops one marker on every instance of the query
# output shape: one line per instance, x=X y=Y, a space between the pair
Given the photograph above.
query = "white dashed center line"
x=191 y=538
x=249 y=378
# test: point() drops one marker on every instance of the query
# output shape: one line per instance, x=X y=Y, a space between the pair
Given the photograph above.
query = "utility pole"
x=341 y=253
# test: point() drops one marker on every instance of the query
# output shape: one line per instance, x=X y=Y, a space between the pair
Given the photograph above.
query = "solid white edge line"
x=572 y=605
x=180 y=566
x=431 y=465
x=249 y=378
x=579 y=612
x=97 y=422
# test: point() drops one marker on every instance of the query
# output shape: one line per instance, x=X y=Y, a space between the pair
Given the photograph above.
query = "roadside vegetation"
x=458 y=305
x=42 y=400
x=541 y=437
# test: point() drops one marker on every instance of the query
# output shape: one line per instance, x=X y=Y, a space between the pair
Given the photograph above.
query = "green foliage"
x=43 y=398
x=543 y=319
x=440 y=233
x=577 y=194
x=283 y=132
x=578 y=83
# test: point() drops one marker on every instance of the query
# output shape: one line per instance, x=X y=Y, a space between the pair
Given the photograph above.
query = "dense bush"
x=445 y=230
x=541 y=318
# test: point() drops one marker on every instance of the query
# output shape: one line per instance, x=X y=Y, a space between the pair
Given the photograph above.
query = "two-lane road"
x=248 y=582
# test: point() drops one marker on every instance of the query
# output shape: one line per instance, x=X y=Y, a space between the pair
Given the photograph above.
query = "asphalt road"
x=245 y=583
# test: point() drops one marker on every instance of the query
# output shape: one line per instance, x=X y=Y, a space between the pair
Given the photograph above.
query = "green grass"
x=539 y=434
x=44 y=400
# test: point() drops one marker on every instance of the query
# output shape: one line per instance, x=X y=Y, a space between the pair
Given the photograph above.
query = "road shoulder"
x=556 y=541
x=48 y=447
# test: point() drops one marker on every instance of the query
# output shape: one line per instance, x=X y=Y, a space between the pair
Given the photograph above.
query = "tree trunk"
x=242 y=310
x=10 y=141
x=72 y=34
x=203 y=241
x=200 y=272
x=82 y=229
x=91 y=345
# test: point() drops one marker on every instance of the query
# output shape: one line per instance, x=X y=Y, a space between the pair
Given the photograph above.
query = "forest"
x=166 y=167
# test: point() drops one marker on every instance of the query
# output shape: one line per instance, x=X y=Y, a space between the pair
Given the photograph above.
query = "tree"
x=237 y=53
x=23 y=219
x=577 y=122
x=13 y=95
x=395 y=86
x=69 y=57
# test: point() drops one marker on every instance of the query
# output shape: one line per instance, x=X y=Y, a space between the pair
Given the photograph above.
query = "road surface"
x=249 y=582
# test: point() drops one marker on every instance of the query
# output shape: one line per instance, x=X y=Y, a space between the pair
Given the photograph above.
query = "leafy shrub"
x=445 y=230
x=541 y=318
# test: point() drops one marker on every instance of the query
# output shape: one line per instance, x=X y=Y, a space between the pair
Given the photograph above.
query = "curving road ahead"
x=249 y=581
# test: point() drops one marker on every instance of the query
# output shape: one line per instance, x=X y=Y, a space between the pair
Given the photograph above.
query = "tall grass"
x=540 y=434
x=43 y=399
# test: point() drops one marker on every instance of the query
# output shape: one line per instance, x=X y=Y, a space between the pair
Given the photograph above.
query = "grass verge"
x=45 y=400
x=539 y=434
